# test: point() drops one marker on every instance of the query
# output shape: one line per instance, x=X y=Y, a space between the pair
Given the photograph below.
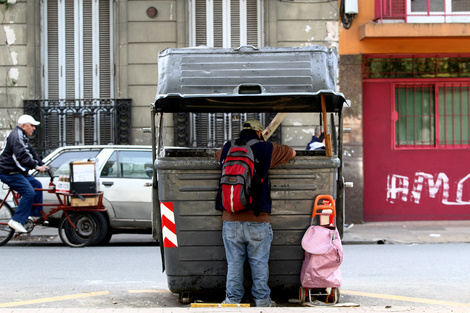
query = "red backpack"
x=238 y=173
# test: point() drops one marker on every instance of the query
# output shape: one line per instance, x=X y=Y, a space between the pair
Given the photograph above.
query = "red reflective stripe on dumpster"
x=170 y=239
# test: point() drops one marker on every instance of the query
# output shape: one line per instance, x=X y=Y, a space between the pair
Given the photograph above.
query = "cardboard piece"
x=89 y=201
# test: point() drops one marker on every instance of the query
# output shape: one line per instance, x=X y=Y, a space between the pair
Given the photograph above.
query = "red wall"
x=406 y=185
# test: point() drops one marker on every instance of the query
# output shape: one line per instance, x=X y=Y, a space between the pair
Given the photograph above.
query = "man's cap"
x=253 y=125
x=27 y=119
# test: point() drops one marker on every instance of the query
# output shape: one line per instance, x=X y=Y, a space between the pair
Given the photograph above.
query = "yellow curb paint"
x=149 y=291
x=220 y=305
x=53 y=299
x=401 y=298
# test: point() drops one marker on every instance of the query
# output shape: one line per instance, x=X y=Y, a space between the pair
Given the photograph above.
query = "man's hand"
x=42 y=168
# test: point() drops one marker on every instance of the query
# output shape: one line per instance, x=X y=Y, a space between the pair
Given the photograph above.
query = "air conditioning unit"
x=351 y=6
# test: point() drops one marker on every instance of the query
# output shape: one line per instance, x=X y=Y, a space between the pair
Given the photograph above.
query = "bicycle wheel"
x=83 y=232
x=6 y=232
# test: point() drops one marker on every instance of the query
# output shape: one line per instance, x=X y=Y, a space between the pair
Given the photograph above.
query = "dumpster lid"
x=247 y=79
x=264 y=102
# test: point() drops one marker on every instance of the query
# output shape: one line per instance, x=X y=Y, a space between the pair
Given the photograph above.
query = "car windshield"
x=61 y=164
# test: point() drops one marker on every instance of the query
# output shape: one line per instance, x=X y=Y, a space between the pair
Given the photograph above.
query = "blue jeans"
x=25 y=187
x=250 y=240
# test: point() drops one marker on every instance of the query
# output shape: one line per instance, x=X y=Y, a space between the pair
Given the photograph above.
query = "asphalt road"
x=127 y=274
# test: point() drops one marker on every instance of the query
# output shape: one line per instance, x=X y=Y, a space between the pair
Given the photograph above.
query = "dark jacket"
x=263 y=152
x=18 y=156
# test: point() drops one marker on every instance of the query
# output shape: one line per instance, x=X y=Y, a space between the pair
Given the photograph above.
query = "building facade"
x=405 y=64
x=63 y=57
x=89 y=67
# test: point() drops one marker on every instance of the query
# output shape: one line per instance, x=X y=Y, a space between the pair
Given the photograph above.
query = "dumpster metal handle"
x=247 y=46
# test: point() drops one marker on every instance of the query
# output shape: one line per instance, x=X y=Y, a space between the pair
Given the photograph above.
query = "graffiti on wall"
x=399 y=188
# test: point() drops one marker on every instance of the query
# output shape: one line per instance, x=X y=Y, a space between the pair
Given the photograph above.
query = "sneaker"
x=17 y=226
x=271 y=304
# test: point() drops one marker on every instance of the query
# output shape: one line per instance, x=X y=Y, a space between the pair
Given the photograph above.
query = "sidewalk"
x=408 y=232
x=368 y=233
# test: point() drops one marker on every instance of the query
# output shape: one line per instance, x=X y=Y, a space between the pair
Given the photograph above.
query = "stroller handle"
x=327 y=203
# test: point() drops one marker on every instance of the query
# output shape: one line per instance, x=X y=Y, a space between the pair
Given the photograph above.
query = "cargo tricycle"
x=81 y=220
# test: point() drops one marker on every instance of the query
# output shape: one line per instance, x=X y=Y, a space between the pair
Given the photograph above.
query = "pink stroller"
x=320 y=276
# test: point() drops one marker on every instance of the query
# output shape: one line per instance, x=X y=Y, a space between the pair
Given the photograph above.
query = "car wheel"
x=102 y=229
x=107 y=238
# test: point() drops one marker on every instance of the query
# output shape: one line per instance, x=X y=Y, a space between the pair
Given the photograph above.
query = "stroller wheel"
x=333 y=297
x=303 y=292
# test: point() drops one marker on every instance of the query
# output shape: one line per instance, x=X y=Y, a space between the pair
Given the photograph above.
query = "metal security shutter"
x=252 y=24
x=52 y=61
x=226 y=23
x=67 y=68
x=235 y=24
x=77 y=55
x=219 y=23
x=200 y=22
x=105 y=54
x=87 y=51
x=218 y=20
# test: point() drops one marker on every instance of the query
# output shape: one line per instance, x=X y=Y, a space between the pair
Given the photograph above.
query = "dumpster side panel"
x=198 y=262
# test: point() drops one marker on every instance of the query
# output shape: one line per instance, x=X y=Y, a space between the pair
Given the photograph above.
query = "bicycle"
x=78 y=226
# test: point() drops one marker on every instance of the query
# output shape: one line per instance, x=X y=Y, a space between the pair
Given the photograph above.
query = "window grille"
x=212 y=130
x=79 y=122
x=432 y=115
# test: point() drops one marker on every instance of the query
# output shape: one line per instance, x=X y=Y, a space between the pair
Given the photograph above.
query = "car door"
x=126 y=179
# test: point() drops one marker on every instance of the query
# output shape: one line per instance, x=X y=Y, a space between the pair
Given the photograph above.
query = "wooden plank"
x=329 y=151
x=271 y=128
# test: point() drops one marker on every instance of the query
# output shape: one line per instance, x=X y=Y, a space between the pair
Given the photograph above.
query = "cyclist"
x=16 y=159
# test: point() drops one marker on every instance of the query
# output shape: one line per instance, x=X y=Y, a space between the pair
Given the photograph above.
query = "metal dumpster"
x=186 y=179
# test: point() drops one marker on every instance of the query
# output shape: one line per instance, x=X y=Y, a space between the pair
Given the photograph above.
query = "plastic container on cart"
x=84 y=177
x=186 y=179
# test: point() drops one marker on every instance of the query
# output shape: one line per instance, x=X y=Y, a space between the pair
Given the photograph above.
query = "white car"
x=125 y=177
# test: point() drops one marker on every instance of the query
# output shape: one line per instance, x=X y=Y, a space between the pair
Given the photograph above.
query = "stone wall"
x=19 y=54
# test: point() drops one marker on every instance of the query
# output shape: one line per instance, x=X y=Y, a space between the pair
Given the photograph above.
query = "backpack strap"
x=252 y=142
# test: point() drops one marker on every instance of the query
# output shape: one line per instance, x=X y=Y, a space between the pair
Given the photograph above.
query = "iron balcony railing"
x=67 y=122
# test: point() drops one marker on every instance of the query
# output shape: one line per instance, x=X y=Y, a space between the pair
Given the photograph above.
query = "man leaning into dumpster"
x=247 y=233
x=16 y=159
